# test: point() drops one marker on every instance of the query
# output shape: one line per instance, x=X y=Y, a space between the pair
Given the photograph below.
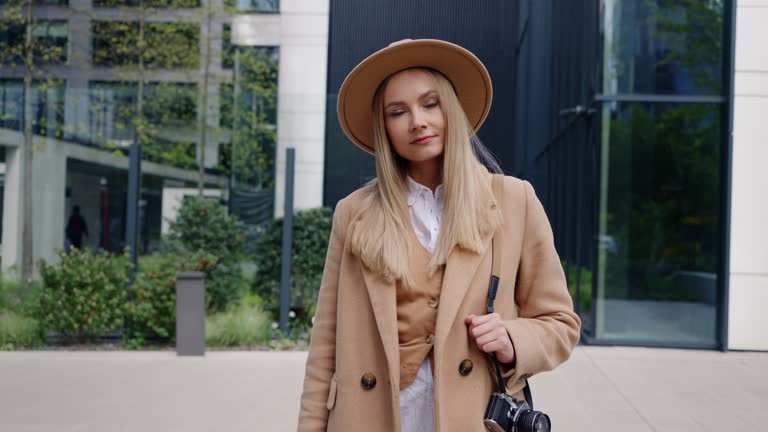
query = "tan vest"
x=417 y=313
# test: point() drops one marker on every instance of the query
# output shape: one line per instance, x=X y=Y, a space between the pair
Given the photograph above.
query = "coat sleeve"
x=547 y=328
x=321 y=362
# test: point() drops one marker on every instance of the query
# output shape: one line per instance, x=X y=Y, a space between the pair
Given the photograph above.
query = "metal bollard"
x=190 y=314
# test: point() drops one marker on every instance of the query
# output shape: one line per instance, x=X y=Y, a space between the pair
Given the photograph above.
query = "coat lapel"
x=460 y=272
x=384 y=304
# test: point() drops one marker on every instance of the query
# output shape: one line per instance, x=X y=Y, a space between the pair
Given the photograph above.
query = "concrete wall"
x=749 y=208
x=302 y=92
x=12 y=205
x=302 y=32
x=48 y=189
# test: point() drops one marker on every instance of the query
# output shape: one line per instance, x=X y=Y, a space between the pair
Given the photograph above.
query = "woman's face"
x=413 y=116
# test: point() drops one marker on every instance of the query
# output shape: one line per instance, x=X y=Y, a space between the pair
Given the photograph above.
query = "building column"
x=748 y=284
x=302 y=80
x=48 y=191
x=49 y=188
x=13 y=216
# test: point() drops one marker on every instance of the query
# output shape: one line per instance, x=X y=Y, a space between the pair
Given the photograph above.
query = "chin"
x=425 y=154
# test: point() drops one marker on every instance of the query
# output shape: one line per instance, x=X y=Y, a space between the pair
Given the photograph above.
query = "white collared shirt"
x=426 y=211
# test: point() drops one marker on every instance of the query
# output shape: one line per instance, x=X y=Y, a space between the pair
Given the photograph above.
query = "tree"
x=155 y=110
x=25 y=44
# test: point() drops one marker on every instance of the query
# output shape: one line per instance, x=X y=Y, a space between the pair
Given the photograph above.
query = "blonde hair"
x=379 y=232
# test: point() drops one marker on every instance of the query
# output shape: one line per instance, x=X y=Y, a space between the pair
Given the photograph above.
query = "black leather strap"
x=493 y=286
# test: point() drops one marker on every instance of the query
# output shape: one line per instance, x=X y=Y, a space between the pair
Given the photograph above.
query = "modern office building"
x=639 y=125
x=202 y=72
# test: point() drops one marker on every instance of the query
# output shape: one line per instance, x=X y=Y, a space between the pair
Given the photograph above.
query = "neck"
x=428 y=173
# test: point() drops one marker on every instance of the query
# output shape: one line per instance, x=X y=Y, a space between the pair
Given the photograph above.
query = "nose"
x=417 y=121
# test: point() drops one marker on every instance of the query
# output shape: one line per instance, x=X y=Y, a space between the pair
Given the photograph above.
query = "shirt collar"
x=415 y=189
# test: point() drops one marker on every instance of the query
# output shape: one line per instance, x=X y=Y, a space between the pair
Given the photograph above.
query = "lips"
x=423 y=140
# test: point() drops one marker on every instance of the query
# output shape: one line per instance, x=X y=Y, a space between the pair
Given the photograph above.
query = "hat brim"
x=466 y=72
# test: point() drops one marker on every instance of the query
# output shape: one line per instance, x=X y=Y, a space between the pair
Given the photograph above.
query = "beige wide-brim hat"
x=466 y=72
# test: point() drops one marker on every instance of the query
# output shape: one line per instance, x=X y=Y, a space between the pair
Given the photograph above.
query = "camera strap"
x=493 y=285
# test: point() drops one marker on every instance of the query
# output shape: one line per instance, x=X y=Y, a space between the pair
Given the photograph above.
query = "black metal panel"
x=358 y=28
x=557 y=74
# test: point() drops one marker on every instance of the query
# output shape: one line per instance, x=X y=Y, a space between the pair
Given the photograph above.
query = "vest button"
x=465 y=367
x=368 y=381
x=432 y=302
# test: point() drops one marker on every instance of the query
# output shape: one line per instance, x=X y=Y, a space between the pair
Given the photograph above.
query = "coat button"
x=368 y=381
x=432 y=302
x=430 y=338
x=465 y=367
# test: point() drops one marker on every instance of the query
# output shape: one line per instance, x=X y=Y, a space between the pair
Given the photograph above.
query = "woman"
x=400 y=336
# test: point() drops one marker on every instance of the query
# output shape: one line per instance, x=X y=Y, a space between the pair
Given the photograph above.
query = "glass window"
x=172 y=45
x=227 y=49
x=50 y=41
x=267 y=6
x=663 y=47
x=47 y=106
x=12 y=104
x=11 y=42
x=49 y=45
x=159 y=4
x=250 y=113
x=169 y=130
x=112 y=109
x=659 y=223
x=36 y=2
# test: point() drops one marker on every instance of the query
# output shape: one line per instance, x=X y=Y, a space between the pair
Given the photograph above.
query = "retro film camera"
x=505 y=414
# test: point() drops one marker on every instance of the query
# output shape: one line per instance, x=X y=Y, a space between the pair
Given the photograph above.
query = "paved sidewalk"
x=599 y=389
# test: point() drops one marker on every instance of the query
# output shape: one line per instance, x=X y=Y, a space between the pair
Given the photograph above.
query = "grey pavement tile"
x=598 y=389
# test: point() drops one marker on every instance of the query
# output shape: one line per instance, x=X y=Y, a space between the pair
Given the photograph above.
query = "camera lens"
x=534 y=421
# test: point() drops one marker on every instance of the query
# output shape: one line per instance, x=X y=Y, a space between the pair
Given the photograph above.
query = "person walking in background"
x=76 y=228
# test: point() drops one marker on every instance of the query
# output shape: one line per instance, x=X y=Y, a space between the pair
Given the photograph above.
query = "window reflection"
x=49 y=45
x=254 y=5
x=660 y=216
x=47 y=106
x=662 y=47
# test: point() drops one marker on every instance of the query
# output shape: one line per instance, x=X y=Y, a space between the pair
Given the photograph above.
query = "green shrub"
x=84 y=295
x=244 y=325
x=152 y=304
x=18 y=297
x=311 y=231
x=18 y=331
x=585 y=298
x=203 y=226
x=224 y=285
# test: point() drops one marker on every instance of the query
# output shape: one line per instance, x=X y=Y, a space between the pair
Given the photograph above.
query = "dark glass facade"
x=659 y=243
x=615 y=111
x=661 y=113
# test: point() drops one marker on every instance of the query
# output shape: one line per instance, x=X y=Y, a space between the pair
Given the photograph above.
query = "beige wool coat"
x=352 y=373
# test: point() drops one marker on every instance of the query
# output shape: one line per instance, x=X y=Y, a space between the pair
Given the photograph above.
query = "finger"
x=486 y=338
x=496 y=334
x=493 y=346
x=494 y=324
x=469 y=319
x=482 y=319
x=486 y=328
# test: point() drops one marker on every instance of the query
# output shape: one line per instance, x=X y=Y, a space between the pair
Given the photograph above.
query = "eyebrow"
x=421 y=96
